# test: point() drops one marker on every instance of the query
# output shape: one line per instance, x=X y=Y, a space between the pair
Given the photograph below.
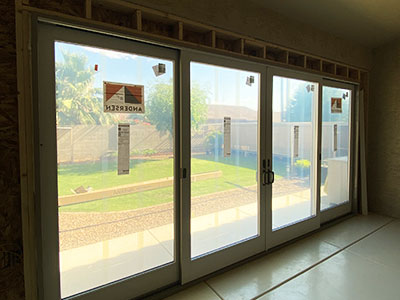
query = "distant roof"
x=218 y=112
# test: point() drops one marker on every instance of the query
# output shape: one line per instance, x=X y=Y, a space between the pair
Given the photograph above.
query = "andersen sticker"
x=123 y=98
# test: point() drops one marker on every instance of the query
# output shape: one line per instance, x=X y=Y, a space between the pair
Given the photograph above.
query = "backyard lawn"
x=100 y=175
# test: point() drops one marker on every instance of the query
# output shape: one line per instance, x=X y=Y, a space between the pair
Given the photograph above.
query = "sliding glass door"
x=223 y=203
x=293 y=157
x=108 y=163
x=158 y=166
x=336 y=149
x=310 y=153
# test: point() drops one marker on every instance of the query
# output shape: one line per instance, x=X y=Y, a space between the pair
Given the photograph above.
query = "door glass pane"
x=115 y=168
x=336 y=104
x=294 y=146
x=224 y=142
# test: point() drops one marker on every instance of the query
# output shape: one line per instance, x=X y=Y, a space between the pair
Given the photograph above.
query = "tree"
x=198 y=106
x=78 y=102
x=300 y=106
x=213 y=142
x=159 y=107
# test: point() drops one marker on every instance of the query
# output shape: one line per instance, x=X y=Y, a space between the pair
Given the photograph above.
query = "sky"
x=118 y=66
x=223 y=85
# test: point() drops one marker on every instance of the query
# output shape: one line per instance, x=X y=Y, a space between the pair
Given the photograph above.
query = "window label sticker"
x=227 y=136
x=159 y=69
x=123 y=149
x=296 y=141
x=335 y=141
x=123 y=98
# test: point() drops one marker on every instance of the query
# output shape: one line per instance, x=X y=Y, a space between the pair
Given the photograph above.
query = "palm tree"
x=78 y=102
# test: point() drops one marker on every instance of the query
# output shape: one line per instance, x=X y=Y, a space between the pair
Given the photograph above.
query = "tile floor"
x=86 y=267
x=89 y=266
x=356 y=259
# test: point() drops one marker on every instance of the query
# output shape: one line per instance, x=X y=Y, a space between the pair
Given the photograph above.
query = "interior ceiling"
x=368 y=22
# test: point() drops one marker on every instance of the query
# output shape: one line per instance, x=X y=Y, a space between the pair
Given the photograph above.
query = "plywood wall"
x=11 y=269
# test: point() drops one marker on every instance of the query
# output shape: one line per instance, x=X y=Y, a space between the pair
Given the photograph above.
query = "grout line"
x=370 y=260
x=209 y=285
x=298 y=274
x=321 y=261
x=330 y=243
x=356 y=241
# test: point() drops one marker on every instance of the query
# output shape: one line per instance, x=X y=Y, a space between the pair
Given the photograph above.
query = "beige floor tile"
x=256 y=277
x=382 y=246
x=351 y=230
x=344 y=276
x=198 y=292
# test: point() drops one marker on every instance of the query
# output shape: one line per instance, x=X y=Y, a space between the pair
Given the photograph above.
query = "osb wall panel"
x=11 y=269
x=71 y=7
x=383 y=132
x=101 y=13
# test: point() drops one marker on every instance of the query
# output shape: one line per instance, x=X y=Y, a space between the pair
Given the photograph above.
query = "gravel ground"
x=79 y=229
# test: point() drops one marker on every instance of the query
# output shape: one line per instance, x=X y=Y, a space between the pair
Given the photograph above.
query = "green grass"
x=103 y=175
x=126 y=202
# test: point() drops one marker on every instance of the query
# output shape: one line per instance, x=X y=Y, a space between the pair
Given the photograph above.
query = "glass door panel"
x=115 y=156
x=224 y=156
x=294 y=146
x=335 y=149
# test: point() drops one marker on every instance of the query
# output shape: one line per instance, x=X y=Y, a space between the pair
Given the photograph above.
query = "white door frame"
x=184 y=269
x=46 y=167
x=200 y=266
x=345 y=208
x=282 y=235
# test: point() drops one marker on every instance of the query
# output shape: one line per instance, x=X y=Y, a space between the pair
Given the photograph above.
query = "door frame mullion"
x=185 y=164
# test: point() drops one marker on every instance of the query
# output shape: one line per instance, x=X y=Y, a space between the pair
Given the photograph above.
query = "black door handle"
x=271 y=177
x=268 y=176
x=264 y=178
